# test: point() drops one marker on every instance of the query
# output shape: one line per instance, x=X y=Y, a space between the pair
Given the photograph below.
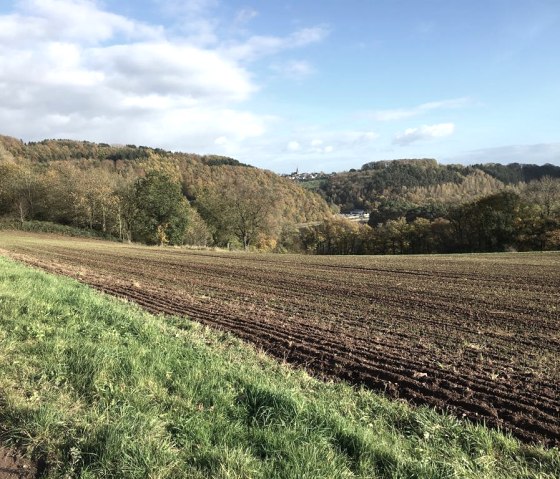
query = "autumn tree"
x=395 y=234
x=493 y=220
x=197 y=232
x=158 y=209
x=237 y=209
x=19 y=190
x=545 y=193
x=421 y=236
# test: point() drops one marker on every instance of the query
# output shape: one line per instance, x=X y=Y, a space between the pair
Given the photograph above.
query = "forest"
x=421 y=181
x=153 y=196
x=137 y=193
x=420 y=206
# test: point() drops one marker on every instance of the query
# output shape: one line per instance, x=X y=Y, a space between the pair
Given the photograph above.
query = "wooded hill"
x=423 y=181
x=160 y=197
x=131 y=192
x=420 y=206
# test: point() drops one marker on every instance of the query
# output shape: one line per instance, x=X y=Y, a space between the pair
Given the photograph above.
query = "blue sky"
x=282 y=85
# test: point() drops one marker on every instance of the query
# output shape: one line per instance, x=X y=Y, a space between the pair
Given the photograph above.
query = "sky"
x=305 y=84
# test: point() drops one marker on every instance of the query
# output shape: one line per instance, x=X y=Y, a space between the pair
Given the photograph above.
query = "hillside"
x=86 y=184
x=420 y=206
x=153 y=196
x=423 y=181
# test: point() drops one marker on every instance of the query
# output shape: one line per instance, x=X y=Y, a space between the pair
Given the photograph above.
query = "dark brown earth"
x=14 y=466
x=476 y=335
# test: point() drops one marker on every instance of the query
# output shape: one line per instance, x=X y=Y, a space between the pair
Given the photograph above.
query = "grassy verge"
x=54 y=228
x=102 y=389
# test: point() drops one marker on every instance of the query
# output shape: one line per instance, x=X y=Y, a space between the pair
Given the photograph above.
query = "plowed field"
x=477 y=335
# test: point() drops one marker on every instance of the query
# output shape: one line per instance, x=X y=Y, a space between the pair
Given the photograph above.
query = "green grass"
x=99 y=388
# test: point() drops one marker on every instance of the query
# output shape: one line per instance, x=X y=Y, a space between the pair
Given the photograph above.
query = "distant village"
x=297 y=176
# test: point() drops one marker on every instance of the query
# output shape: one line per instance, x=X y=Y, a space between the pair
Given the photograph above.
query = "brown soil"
x=474 y=335
x=13 y=466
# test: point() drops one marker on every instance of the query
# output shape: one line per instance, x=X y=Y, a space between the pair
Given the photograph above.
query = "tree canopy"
x=160 y=197
x=112 y=189
x=159 y=213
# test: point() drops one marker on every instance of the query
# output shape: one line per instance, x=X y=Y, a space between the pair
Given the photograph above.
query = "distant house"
x=297 y=176
x=359 y=216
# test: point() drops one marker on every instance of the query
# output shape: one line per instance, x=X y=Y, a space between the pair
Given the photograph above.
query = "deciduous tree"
x=159 y=210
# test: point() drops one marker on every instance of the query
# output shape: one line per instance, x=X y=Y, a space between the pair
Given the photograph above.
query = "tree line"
x=159 y=197
x=525 y=218
x=420 y=180
x=151 y=196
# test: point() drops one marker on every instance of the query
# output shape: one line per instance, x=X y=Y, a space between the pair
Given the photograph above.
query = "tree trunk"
x=120 y=219
x=21 y=212
x=104 y=219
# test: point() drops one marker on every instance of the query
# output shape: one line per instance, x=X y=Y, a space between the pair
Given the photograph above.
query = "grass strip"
x=101 y=389
x=53 y=228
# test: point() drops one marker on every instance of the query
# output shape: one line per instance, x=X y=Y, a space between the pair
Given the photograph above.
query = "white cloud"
x=169 y=68
x=72 y=69
x=424 y=132
x=193 y=20
x=316 y=146
x=348 y=139
x=63 y=20
x=361 y=136
x=322 y=149
x=245 y=15
x=258 y=46
x=318 y=142
x=294 y=69
x=339 y=149
x=305 y=36
x=404 y=113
